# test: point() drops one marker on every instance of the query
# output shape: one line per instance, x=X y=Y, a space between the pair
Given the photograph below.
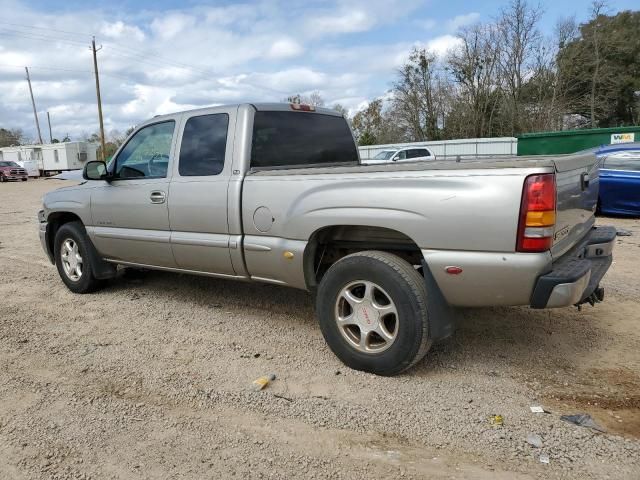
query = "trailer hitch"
x=596 y=296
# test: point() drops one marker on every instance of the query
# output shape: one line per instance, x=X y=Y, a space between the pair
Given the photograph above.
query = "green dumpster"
x=569 y=141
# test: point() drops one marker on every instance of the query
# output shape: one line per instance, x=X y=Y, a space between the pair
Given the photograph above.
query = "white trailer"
x=453 y=149
x=51 y=157
x=59 y=157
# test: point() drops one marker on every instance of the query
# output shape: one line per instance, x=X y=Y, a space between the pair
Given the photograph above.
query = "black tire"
x=407 y=290
x=24 y=179
x=87 y=282
x=3 y=178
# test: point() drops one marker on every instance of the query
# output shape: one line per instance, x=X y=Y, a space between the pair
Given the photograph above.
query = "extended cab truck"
x=275 y=193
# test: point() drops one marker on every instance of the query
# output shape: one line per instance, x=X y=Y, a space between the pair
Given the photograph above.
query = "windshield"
x=9 y=164
x=385 y=155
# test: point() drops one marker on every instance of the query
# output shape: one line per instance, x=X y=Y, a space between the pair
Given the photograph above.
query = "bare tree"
x=474 y=70
x=418 y=97
x=519 y=39
x=597 y=8
x=314 y=98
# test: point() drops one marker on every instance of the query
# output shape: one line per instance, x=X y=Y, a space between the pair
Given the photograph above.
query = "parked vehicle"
x=12 y=171
x=275 y=193
x=414 y=154
x=619 y=179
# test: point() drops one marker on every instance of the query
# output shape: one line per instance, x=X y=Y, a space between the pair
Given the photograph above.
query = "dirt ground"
x=150 y=378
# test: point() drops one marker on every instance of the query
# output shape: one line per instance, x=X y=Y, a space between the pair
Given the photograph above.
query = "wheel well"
x=54 y=222
x=329 y=244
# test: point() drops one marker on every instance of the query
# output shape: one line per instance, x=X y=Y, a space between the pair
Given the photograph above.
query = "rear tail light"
x=537 y=214
x=303 y=107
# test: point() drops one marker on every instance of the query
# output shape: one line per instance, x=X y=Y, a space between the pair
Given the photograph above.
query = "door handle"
x=584 y=181
x=158 y=196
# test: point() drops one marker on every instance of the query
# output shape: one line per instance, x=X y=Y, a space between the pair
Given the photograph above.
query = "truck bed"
x=559 y=162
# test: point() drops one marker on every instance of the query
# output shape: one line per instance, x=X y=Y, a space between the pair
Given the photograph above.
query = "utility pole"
x=49 y=122
x=95 y=70
x=33 y=104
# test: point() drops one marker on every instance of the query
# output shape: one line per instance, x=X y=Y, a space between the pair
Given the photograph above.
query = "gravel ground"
x=150 y=378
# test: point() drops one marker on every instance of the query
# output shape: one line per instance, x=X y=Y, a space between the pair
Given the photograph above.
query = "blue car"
x=619 y=179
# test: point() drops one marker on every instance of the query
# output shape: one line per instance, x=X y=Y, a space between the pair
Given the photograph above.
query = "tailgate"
x=577 y=197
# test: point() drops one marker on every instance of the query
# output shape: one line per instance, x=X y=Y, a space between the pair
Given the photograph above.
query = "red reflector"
x=538 y=195
x=453 y=270
x=535 y=244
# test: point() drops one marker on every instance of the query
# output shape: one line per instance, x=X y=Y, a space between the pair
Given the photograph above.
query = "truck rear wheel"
x=73 y=258
x=372 y=309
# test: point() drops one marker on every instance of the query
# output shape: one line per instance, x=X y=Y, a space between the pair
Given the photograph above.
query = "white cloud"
x=348 y=21
x=284 y=48
x=170 y=25
x=462 y=21
x=120 y=30
x=440 y=46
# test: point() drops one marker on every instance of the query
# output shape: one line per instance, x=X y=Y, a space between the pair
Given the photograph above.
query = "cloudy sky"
x=165 y=55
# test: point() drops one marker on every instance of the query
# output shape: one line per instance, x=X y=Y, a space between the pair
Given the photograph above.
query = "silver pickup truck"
x=275 y=193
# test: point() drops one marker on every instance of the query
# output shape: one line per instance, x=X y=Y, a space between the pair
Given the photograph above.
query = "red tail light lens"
x=537 y=213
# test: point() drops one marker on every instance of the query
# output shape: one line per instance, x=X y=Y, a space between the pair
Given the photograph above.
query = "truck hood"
x=70 y=175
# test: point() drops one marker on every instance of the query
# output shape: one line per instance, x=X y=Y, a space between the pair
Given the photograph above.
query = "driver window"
x=146 y=155
x=401 y=155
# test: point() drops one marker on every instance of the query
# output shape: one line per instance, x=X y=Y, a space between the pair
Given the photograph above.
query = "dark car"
x=619 y=179
x=12 y=171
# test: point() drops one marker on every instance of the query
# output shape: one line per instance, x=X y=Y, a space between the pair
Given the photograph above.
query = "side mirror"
x=95 y=170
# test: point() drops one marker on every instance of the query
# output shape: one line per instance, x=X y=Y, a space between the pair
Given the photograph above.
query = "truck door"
x=198 y=203
x=130 y=220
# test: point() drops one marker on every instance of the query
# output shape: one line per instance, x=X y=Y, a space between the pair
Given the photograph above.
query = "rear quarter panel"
x=464 y=210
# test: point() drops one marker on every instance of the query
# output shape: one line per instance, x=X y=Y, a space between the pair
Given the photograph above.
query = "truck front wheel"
x=73 y=258
x=372 y=309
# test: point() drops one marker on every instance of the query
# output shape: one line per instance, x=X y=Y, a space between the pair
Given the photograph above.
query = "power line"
x=37 y=36
x=30 y=27
x=88 y=72
x=149 y=58
x=112 y=45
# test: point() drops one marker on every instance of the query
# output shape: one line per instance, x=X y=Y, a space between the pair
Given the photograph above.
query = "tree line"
x=505 y=78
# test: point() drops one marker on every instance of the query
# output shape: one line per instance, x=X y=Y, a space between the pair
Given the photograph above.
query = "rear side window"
x=417 y=153
x=299 y=139
x=624 y=161
x=204 y=143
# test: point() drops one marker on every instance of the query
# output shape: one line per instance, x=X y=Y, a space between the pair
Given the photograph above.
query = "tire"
x=404 y=339
x=3 y=178
x=73 y=237
x=24 y=179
